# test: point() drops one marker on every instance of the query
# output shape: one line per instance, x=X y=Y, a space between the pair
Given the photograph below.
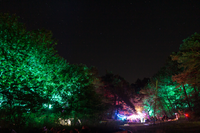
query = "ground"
x=165 y=127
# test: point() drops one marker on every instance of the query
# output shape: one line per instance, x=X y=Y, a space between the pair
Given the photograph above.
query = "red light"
x=186 y=115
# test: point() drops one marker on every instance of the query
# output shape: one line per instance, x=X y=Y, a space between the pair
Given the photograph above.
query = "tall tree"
x=27 y=69
x=80 y=98
x=118 y=91
x=188 y=57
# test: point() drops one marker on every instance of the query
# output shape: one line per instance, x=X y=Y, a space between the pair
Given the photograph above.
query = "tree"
x=188 y=59
x=35 y=81
x=28 y=69
x=118 y=91
x=80 y=98
x=170 y=98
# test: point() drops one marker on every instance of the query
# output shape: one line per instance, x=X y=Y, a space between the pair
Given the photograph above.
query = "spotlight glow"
x=139 y=115
x=122 y=117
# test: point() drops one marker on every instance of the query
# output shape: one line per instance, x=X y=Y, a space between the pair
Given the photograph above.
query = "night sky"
x=132 y=39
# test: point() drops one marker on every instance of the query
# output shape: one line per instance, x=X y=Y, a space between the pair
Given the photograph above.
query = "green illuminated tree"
x=35 y=81
x=80 y=98
x=167 y=88
x=28 y=69
x=169 y=97
x=188 y=59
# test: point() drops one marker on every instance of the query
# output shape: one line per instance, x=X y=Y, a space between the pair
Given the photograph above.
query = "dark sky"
x=132 y=39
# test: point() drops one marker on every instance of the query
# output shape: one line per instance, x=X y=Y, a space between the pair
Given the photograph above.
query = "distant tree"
x=117 y=90
x=139 y=84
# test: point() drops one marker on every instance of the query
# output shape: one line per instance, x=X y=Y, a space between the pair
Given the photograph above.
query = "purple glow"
x=136 y=116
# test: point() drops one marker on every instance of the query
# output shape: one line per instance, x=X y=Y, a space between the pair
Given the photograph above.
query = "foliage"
x=169 y=97
x=80 y=96
x=188 y=59
x=35 y=80
x=178 y=80
x=119 y=93
x=25 y=73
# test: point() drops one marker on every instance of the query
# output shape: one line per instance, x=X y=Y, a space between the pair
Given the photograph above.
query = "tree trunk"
x=168 y=109
x=187 y=99
x=196 y=103
x=118 y=105
x=115 y=117
x=115 y=100
x=170 y=104
x=75 y=119
x=113 y=108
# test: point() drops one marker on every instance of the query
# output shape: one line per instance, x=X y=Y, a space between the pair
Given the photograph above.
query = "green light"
x=32 y=75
